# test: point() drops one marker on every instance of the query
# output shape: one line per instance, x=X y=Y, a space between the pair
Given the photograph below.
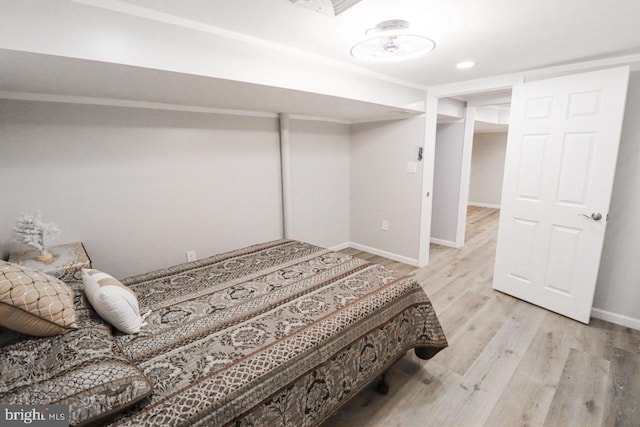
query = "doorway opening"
x=470 y=147
x=558 y=177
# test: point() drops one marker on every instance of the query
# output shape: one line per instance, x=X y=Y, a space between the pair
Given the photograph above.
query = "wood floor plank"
x=377 y=259
x=415 y=388
x=368 y=408
x=480 y=217
x=471 y=338
x=428 y=392
x=435 y=277
x=456 y=315
x=366 y=256
x=534 y=382
x=477 y=235
x=478 y=278
x=596 y=338
x=350 y=251
x=482 y=385
x=582 y=393
x=508 y=363
x=626 y=338
x=624 y=410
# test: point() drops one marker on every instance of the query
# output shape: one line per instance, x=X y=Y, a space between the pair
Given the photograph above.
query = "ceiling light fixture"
x=391 y=41
x=464 y=65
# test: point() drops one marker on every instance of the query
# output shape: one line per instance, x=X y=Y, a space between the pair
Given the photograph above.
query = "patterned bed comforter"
x=280 y=333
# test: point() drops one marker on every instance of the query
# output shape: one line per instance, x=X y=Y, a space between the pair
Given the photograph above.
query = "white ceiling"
x=501 y=36
x=273 y=56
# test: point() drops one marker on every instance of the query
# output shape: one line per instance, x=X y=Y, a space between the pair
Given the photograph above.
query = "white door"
x=561 y=158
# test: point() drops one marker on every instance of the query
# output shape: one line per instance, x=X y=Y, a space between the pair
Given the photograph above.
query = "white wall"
x=446 y=181
x=618 y=288
x=320 y=166
x=487 y=168
x=140 y=187
x=381 y=189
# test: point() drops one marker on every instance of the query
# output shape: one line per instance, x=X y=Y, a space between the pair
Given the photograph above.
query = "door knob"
x=596 y=216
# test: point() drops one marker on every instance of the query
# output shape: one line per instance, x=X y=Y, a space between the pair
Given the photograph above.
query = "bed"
x=281 y=333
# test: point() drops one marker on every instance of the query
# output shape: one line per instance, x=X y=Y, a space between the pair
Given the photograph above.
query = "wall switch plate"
x=412 y=167
x=191 y=255
x=385 y=225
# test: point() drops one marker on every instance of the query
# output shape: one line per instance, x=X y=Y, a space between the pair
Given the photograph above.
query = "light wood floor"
x=509 y=363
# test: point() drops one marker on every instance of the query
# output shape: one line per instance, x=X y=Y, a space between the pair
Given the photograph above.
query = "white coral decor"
x=31 y=230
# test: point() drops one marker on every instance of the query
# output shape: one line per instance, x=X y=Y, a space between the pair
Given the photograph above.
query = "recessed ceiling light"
x=465 y=64
x=392 y=41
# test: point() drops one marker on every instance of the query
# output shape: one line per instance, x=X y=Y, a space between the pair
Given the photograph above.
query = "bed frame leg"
x=426 y=353
x=382 y=386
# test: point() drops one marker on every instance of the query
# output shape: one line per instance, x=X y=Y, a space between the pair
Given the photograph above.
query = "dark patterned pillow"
x=84 y=369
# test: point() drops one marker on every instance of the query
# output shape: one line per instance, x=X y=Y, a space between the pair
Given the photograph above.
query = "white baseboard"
x=340 y=247
x=483 y=205
x=379 y=252
x=618 y=319
x=447 y=243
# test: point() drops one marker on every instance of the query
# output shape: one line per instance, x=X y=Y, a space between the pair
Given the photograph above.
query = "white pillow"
x=112 y=300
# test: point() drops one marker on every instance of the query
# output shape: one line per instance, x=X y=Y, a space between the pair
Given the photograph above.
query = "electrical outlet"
x=191 y=255
x=385 y=225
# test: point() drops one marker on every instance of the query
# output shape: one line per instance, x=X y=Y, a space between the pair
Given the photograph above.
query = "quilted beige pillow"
x=34 y=303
